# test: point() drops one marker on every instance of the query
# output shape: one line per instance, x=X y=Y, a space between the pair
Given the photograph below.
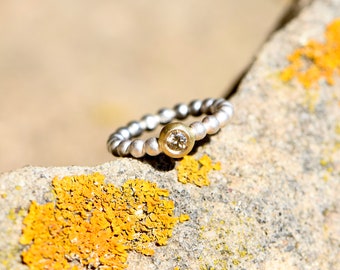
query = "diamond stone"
x=177 y=140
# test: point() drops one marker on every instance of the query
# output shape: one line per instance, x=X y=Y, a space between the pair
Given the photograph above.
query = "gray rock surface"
x=274 y=204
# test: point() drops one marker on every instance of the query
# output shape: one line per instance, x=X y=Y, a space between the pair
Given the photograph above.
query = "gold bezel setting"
x=176 y=140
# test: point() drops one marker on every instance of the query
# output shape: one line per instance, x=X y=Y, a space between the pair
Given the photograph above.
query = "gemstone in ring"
x=176 y=140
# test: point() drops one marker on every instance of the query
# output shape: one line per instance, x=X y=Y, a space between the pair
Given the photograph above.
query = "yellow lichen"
x=337 y=129
x=183 y=218
x=94 y=225
x=228 y=242
x=236 y=262
x=316 y=60
x=195 y=171
x=12 y=215
x=330 y=156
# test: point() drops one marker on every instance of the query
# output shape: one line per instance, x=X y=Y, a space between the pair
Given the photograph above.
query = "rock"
x=273 y=205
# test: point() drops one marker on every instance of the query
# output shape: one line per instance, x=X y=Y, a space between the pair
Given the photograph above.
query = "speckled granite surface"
x=275 y=202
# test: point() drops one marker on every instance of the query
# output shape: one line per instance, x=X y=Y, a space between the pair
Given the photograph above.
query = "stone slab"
x=274 y=204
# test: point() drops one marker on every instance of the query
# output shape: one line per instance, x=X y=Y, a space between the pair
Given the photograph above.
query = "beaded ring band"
x=176 y=139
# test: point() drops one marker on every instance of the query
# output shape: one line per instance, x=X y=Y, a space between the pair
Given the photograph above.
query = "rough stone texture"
x=275 y=203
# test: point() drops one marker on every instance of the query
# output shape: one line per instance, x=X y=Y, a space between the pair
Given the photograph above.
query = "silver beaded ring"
x=176 y=139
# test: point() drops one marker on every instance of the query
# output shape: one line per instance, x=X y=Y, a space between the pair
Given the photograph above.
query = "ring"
x=175 y=139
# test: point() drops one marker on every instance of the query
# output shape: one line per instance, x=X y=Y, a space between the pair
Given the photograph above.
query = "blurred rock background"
x=73 y=71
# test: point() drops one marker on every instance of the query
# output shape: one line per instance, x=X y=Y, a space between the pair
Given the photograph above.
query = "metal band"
x=176 y=139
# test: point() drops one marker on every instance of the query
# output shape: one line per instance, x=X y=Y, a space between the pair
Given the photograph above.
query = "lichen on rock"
x=195 y=171
x=94 y=225
x=316 y=60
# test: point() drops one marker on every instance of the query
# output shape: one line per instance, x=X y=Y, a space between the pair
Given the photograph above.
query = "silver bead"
x=134 y=128
x=216 y=104
x=114 y=137
x=227 y=108
x=222 y=117
x=219 y=101
x=123 y=132
x=151 y=121
x=123 y=148
x=114 y=151
x=199 y=130
x=152 y=147
x=112 y=143
x=137 y=148
x=211 y=124
x=166 y=115
x=142 y=124
x=206 y=105
x=182 y=111
x=195 y=107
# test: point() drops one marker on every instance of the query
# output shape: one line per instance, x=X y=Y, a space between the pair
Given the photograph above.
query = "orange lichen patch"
x=195 y=171
x=93 y=225
x=316 y=60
